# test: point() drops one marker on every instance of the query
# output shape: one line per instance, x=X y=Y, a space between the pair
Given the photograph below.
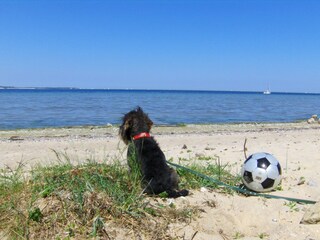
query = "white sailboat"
x=267 y=92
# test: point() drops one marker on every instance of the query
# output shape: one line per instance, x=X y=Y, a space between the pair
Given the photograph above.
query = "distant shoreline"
x=36 y=88
x=153 y=90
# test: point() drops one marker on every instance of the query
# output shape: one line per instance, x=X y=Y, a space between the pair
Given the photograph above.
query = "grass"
x=213 y=168
x=292 y=206
x=90 y=200
x=263 y=235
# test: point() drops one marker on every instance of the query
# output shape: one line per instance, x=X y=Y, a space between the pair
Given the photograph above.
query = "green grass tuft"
x=213 y=168
x=84 y=201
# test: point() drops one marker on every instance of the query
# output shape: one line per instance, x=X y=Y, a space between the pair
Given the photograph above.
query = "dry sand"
x=223 y=216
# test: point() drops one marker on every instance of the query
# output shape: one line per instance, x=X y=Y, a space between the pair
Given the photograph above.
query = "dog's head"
x=133 y=123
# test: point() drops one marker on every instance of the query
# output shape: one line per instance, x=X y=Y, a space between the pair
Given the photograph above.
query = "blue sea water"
x=60 y=107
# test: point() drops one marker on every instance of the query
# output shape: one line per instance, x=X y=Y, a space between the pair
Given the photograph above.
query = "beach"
x=222 y=216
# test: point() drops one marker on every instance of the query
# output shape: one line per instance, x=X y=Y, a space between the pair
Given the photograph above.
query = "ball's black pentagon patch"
x=268 y=183
x=263 y=163
x=248 y=159
x=247 y=176
x=279 y=168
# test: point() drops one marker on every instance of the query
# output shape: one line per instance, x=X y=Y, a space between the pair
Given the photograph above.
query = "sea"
x=42 y=108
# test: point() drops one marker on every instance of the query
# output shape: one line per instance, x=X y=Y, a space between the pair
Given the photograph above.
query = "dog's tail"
x=175 y=194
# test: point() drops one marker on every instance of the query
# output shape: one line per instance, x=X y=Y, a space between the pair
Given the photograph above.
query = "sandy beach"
x=223 y=216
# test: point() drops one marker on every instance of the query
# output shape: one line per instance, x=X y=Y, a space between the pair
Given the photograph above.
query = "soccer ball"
x=261 y=172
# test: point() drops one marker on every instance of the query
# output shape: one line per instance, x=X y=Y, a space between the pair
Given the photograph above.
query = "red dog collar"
x=141 y=135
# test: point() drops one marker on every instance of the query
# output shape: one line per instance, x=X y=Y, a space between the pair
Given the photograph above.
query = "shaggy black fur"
x=157 y=175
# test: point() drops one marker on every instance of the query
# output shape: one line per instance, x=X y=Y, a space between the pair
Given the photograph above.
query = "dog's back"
x=157 y=175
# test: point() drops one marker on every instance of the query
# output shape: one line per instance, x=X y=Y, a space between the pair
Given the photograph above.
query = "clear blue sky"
x=200 y=45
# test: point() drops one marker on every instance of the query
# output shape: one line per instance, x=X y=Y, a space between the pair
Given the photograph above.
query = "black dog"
x=157 y=176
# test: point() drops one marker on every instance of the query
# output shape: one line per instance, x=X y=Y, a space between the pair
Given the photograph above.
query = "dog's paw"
x=184 y=192
x=176 y=194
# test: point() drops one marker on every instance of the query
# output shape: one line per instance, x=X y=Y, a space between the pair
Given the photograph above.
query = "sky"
x=236 y=45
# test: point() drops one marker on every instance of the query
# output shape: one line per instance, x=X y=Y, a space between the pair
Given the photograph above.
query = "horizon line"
x=148 y=89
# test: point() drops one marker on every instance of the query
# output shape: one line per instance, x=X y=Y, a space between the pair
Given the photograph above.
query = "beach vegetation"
x=292 y=206
x=210 y=166
x=207 y=158
x=217 y=172
x=238 y=235
x=91 y=200
x=263 y=235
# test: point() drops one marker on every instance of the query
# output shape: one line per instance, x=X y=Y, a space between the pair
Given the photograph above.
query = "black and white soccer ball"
x=261 y=172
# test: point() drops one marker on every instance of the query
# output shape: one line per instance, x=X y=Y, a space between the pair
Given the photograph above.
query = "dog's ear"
x=145 y=116
x=149 y=123
x=127 y=124
x=125 y=129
